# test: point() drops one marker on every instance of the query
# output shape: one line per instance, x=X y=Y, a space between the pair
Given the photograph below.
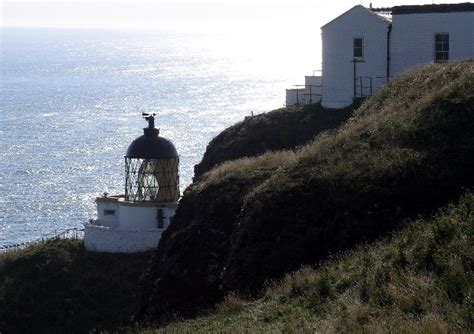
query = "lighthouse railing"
x=72 y=233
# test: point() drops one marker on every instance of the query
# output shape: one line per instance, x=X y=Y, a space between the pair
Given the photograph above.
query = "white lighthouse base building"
x=135 y=221
x=127 y=227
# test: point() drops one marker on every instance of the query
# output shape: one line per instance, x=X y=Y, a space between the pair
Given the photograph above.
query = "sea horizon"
x=72 y=101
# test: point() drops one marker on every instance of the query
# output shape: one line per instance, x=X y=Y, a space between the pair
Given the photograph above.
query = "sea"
x=71 y=101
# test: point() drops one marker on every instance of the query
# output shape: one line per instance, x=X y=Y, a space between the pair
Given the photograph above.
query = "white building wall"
x=311 y=93
x=98 y=238
x=338 y=65
x=412 y=40
x=312 y=88
x=294 y=96
x=110 y=220
x=138 y=217
x=132 y=228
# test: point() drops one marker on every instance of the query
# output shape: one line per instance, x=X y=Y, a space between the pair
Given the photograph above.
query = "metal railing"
x=72 y=233
x=303 y=95
x=364 y=86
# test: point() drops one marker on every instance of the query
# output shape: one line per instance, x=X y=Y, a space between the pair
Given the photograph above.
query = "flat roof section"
x=425 y=9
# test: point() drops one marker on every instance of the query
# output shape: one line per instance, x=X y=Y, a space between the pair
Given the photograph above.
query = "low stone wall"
x=98 y=238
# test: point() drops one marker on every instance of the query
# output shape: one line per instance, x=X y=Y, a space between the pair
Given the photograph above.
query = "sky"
x=182 y=15
x=275 y=30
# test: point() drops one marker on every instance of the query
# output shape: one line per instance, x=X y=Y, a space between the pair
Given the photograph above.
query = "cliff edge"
x=405 y=152
x=285 y=128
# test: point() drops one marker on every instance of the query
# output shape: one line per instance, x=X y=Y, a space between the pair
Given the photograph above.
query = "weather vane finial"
x=150 y=118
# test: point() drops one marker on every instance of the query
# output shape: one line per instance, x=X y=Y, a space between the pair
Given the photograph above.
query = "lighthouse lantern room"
x=134 y=222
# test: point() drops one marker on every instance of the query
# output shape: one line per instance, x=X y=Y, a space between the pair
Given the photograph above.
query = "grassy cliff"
x=404 y=153
x=342 y=234
x=285 y=128
x=59 y=287
x=417 y=281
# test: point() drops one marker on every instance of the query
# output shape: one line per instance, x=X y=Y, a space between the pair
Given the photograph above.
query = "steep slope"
x=405 y=152
x=280 y=129
x=197 y=244
x=418 y=281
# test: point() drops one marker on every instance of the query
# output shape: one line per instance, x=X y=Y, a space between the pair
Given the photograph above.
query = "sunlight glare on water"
x=71 y=103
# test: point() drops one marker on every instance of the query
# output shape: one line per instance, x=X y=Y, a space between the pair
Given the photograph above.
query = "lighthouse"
x=134 y=221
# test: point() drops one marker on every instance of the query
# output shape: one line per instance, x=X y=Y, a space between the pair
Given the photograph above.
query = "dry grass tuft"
x=262 y=165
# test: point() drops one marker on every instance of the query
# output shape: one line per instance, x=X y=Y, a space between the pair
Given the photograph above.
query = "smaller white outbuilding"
x=308 y=93
x=134 y=222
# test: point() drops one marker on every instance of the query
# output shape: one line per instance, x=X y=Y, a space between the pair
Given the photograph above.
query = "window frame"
x=109 y=212
x=361 y=48
x=444 y=51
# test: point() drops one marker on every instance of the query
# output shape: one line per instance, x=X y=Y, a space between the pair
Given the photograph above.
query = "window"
x=358 y=47
x=160 y=218
x=441 y=48
x=109 y=212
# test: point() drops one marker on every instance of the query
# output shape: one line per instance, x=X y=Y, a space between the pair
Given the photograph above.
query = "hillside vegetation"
x=418 y=281
x=343 y=234
x=405 y=153
x=285 y=128
x=58 y=287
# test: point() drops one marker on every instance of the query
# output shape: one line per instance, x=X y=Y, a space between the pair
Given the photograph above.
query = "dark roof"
x=442 y=8
x=151 y=146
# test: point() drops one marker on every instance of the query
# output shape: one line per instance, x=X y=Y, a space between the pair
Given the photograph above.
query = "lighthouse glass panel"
x=151 y=180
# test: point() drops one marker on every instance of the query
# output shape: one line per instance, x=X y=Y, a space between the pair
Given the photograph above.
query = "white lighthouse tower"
x=135 y=221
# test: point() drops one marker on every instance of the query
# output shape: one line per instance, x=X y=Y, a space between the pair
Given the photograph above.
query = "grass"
x=418 y=280
x=58 y=287
x=393 y=160
x=418 y=114
x=197 y=266
x=248 y=168
x=244 y=225
x=403 y=154
x=281 y=129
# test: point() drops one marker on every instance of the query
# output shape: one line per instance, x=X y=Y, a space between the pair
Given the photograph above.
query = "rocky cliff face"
x=405 y=152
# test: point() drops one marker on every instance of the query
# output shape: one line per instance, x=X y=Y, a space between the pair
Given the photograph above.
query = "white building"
x=354 y=52
x=365 y=47
x=308 y=93
x=432 y=33
x=134 y=222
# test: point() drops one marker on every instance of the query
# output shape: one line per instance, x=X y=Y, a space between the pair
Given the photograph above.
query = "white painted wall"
x=413 y=38
x=99 y=238
x=312 y=88
x=136 y=217
x=338 y=66
x=133 y=228
x=294 y=96
x=108 y=220
x=311 y=93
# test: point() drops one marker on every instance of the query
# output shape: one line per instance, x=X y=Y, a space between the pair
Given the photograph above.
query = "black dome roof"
x=151 y=146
